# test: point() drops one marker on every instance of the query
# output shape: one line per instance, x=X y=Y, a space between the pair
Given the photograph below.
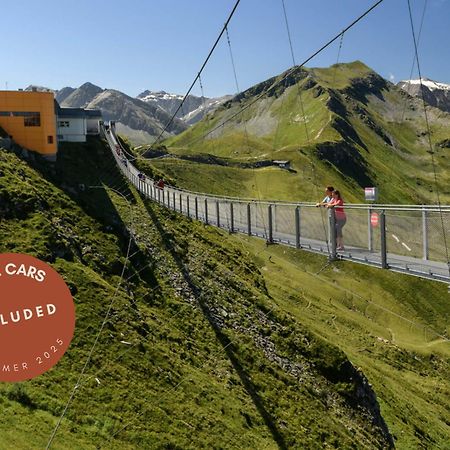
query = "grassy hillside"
x=199 y=352
x=344 y=125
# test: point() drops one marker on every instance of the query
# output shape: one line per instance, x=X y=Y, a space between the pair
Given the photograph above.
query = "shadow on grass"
x=229 y=348
x=80 y=165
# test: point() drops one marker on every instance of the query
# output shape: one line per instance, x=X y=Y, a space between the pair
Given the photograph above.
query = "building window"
x=63 y=124
x=49 y=139
x=32 y=120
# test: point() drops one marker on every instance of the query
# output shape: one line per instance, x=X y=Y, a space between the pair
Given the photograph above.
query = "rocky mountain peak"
x=80 y=97
x=435 y=93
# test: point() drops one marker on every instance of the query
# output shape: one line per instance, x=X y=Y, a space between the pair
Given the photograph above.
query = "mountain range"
x=193 y=109
x=434 y=93
x=143 y=118
x=344 y=125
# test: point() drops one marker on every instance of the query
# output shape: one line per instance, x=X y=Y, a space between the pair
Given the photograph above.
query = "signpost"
x=371 y=194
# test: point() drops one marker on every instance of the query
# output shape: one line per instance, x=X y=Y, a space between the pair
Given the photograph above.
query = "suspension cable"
x=290 y=71
x=246 y=135
x=433 y=162
x=105 y=319
x=338 y=58
x=198 y=75
x=414 y=59
x=308 y=141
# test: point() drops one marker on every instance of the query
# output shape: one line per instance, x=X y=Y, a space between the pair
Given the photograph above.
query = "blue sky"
x=135 y=45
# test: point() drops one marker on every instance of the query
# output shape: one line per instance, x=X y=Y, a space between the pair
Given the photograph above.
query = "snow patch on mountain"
x=430 y=84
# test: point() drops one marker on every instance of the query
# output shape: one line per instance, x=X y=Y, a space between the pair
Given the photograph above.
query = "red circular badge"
x=37 y=317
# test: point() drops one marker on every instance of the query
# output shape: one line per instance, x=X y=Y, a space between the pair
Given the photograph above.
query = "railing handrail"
x=365 y=206
x=260 y=218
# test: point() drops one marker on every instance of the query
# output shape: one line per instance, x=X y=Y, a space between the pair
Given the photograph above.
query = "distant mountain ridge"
x=141 y=119
x=81 y=97
x=435 y=93
x=355 y=127
x=134 y=113
x=141 y=122
x=193 y=109
x=63 y=93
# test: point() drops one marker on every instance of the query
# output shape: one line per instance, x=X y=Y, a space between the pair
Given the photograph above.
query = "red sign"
x=37 y=317
x=374 y=218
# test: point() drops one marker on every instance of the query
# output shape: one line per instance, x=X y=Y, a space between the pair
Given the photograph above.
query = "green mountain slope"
x=344 y=125
x=198 y=352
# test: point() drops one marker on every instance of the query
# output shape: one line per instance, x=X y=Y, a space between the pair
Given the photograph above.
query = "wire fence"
x=407 y=238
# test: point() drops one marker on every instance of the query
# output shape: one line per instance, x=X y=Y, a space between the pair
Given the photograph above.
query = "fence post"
x=196 y=208
x=425 y=234
x=249 y=220
x=206 y=210
x=181 y=203
x=384 y=264
x=231 y=218
x=332 y=229
x=159 y=195
x=174 y=201
x=187 y=205
x=297 y=227
x=270 y=237
x=369 y=230
x=218 y=213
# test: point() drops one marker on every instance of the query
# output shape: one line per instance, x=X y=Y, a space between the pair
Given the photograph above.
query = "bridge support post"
x=181 y=203
x=425 y=234
x=249 y=219
x=332 y=222
x=196 y=208
x=174 y=202
x=218 y=214
x=297 y=227
x=384 y=264
x=206 y=210
x=187 y=206
x=159 y=195
x=231 y=218
x=369 y=230
x=270 y=217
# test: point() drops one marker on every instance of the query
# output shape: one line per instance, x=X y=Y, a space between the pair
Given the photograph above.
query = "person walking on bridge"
x=327 y=199
x=340 y=218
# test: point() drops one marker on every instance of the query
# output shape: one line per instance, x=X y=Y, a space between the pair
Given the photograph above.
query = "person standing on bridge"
x=340 y=218
x=327 y=199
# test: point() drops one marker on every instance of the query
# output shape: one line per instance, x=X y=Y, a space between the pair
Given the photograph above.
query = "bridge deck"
x=255 y=217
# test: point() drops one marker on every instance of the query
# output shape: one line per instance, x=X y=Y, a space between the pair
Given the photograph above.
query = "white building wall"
x=93 y=126
x=72 y=129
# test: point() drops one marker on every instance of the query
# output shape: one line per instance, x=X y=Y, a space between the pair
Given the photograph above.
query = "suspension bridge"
x=405 y=239
x=409 y=239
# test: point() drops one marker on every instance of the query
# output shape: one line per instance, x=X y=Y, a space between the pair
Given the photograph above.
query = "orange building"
x=29 y=118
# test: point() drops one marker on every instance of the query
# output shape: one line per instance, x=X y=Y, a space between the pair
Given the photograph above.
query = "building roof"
x=77 y=112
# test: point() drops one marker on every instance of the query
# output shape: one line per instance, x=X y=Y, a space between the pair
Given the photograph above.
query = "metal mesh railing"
x=408 y=238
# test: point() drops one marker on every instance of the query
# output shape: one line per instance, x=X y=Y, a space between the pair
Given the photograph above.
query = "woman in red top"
x=338 y=204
